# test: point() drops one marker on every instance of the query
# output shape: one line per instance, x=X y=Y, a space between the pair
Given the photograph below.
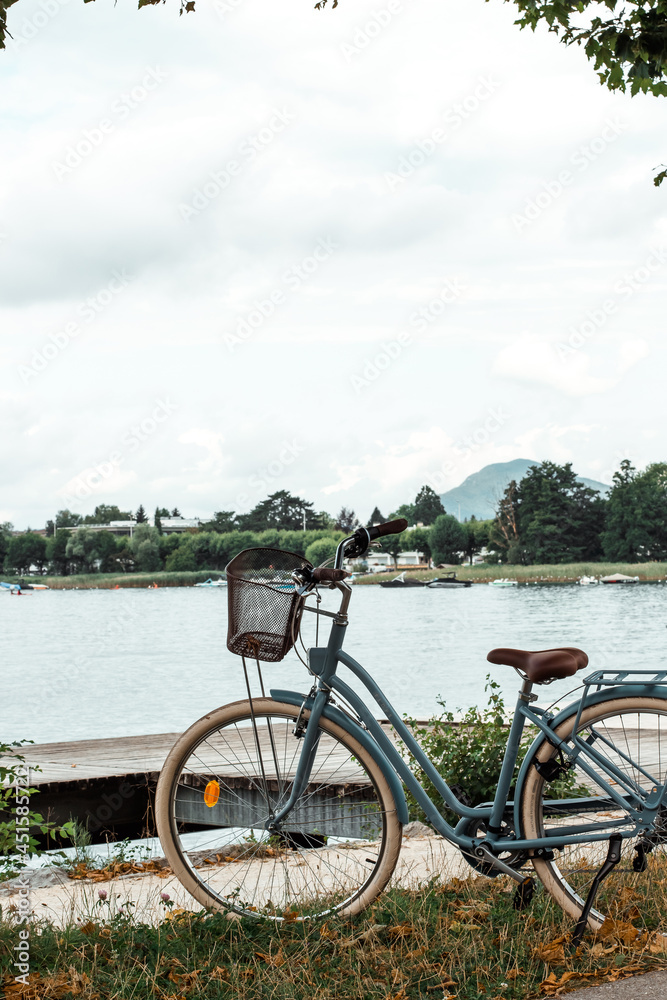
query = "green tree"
x=346 y=520
x=105 y=513
x=140 y=516
x=25 y=551
x=504 y=531
x=123 y=558
x=157 y=520
x=176 y=512
x=477 y=533
x=375 y=518
x=107 y=550
x=223 y=521
x=428 y=506
x=406 y=510
x=629 y=48
x=67 y=519
x=145 y=547
x=280 y=510
x=56 y=552
x=83 y=550
x=417 y=540
x=183 y=558
x=6 y=529
x=636 y=514
x=321 y=550
x=559 y=519
x=448 y=540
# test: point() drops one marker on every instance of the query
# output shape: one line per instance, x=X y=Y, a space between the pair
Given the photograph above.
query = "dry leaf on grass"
x=553 y=982
x=219 y=973
x=48 y=987
x=179 y=915
x=620 y=930
x=599 y=949
x=552 y=951
x=186 y=980
x=399 y=931
x=109 y=872
x=363 y=938
x=275 y=961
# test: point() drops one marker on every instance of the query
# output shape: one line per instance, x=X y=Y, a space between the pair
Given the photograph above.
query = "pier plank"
x=82 y=761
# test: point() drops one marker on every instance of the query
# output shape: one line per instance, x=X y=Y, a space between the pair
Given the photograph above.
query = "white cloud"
x=566 y=369
x=322 y=176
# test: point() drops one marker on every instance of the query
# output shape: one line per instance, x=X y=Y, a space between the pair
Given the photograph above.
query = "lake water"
x=80 y=664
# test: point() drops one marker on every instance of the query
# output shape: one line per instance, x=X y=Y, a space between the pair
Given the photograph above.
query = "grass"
x=562 y=573
x=459 y=938
x=108 y=581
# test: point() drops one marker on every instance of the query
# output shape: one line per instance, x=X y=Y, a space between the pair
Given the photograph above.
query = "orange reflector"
x=211 y=793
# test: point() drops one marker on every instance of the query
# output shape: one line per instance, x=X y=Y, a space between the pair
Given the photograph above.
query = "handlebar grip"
x=388 y=528
x=328 y=575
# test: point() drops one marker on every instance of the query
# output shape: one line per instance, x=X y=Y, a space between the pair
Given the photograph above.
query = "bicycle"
x=290 y=806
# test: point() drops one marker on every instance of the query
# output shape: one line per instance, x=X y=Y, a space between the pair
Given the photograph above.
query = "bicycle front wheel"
x=224 y=781
x=631 y=735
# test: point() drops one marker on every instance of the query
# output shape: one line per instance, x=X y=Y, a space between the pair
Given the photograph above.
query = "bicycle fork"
x=311 y=739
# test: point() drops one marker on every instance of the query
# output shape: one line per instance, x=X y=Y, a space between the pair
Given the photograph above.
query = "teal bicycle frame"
x=619 y=790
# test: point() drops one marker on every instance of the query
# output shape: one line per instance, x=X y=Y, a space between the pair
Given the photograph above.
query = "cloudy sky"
x=342 y=253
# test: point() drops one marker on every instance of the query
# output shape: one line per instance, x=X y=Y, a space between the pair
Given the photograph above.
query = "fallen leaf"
x=273 y=960
x=599 y=949
x=219 y=973
x=553 y=951
x=399 y=931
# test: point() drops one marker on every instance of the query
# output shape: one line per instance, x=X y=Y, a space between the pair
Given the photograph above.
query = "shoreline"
x=558 y=573
x=111 y=581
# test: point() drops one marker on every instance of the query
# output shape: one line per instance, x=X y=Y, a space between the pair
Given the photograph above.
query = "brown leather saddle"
x=544 y=664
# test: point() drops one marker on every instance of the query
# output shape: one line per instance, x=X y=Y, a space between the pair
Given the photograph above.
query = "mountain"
x=479 y=493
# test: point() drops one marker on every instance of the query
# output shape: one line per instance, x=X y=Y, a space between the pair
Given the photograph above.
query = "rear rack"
x=609 y=678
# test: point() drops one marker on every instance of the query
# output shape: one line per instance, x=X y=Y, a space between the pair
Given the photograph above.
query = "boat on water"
x=586 y=581
x=503 y=582
x=212 y=583
x=619 y=578
x=18 y=588
x=402 y=581
x=448 y=582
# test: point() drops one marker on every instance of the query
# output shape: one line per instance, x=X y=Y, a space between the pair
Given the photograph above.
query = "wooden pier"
x=108 y=785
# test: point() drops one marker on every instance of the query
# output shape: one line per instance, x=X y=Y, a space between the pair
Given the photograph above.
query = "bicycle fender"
x=354 y=729
x=595 y=698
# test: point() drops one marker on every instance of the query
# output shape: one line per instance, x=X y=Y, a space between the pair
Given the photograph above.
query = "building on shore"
x=170 y=526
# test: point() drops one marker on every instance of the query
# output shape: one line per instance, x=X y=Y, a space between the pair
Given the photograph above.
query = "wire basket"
x=264 y=606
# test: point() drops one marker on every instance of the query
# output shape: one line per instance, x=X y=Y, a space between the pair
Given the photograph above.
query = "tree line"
x=547 y=517
x=71 y=546
x=551 y=517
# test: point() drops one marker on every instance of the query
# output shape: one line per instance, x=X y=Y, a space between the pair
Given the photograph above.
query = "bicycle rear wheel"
x=227 y=776
x=634 y=728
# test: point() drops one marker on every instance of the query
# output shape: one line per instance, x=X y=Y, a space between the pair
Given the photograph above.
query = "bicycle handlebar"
x=388 y=528
x=328 y=575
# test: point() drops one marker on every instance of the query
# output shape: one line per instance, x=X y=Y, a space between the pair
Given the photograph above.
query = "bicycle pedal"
x=524 y=894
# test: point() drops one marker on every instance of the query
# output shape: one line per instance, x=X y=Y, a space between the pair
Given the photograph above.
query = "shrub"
x=469 y=754
x=17 y=840
x=321 y=550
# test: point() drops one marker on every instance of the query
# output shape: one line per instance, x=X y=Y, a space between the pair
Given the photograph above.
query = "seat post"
x=525 y=691
x=493 y=826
